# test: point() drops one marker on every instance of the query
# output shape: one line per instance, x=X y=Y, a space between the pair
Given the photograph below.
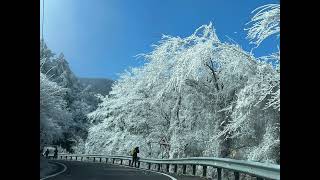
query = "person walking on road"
x=47 y=153
x=134 y=154
x=55 y=156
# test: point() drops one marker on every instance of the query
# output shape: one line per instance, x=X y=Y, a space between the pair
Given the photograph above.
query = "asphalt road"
x=77 y=170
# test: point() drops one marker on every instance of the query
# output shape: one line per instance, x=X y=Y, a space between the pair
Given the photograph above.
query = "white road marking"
x=172 y=178
x=64 y=169
x=146 y=170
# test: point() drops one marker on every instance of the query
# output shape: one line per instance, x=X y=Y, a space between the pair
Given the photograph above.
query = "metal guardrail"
x=254 y=169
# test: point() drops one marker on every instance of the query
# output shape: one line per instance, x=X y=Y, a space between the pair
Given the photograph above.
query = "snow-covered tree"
x=203 y=96
x=256 y=114
x=54 y=119
x=77 y=100
x=266 y=22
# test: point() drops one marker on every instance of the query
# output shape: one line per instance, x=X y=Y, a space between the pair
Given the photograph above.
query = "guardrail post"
x=121 y=161
x=149 y=165
x=194 y=170
x=81 y=158
x=184 y=167
x=236 y=176
x=138 y=164
x=158 y=167
x=66 y=157
x=100 y=160
x=112 y=160
x=76 y=157
x=168 y=166
x=70 y=157
x=175 y=168
x=219 y=173
x=106 y=160
x=129 y=162
x=204 y=172
x=94 y=159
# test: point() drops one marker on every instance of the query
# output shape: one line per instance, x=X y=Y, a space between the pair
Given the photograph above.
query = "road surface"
x=77 y=170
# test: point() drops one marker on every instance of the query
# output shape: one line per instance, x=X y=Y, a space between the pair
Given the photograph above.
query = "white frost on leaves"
x=266 y=22
x=270 y=141
x=53 y=117
x=64 y=103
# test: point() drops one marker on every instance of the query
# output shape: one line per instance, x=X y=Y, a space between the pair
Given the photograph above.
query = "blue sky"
x=100 y=38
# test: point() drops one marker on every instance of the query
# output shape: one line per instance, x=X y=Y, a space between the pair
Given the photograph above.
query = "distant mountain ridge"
x=97 y=85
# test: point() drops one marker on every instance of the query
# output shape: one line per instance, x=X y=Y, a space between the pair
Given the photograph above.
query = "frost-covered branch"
x=265 y=23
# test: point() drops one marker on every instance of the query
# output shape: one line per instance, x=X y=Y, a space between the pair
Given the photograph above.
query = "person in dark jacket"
x=47 y=153
x=55 y=153
x=135 y=156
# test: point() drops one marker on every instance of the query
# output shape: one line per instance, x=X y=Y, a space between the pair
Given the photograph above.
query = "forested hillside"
x=97 y=85
x=65 y=101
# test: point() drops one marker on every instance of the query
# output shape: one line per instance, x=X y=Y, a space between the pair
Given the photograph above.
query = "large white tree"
x=204 y=96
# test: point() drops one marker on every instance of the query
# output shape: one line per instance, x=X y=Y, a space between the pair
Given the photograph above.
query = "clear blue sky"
x=100 y=37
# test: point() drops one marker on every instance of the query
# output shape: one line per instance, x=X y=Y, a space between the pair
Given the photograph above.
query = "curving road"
x=77 y=170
